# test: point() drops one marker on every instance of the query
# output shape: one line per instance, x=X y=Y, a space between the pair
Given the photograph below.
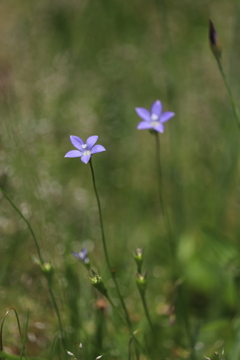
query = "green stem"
x=58 y=314
x=164 y=211
x=176 y=273
x=19 y=327
x=105 y=247
x=23 y=350
x=27 y=223
x=41 y=263
x=126 y=324
x=144 y=302
x=234 y=105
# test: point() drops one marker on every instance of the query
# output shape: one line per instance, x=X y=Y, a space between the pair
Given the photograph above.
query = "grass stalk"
x=174 y=259
x=146 y=311
x=228 y=87
x=105 y=248
x=164 y=211
x=126 y=324
x=41 y=264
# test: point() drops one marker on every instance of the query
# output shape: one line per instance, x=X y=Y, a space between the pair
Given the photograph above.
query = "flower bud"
x=97 y=282
x=47 y=269
x=214 y=41
x=141 y=281
x=138 y=256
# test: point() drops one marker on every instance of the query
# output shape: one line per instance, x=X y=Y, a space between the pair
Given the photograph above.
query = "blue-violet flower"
x=84 y=150
x=155 y=118
x=82 y=255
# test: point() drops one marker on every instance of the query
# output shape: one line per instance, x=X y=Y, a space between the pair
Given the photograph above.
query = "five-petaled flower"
x=82 y=255
x=155 y=118
x=84 y=150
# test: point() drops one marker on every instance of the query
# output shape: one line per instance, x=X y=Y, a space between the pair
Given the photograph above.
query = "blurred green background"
x=80 y=67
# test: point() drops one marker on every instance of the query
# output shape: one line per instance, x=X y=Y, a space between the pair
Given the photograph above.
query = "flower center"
x=154 y=123
x=87 y=152
x=154 y=117
x=84 y=146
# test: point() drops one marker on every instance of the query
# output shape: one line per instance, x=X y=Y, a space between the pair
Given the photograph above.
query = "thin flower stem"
x=126 y=324
x=164 y=211
x=184 y=313
x=234 y=105
x=41 y=263
x=144 y=302
x=58 y=314
x=27 y=223
x=105 y=247
x=19 y=327
x=23 y=349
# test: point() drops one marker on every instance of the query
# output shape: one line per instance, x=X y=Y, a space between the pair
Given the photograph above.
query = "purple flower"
x=82 y=255
x=84 y=150
x=154 y=118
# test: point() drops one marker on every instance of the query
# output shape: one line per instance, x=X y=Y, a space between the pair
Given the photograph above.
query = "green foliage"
x=80 y=68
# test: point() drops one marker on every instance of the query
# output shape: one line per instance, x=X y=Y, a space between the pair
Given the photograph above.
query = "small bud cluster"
x=141 y=278
x=98 y=283
x=138 y=256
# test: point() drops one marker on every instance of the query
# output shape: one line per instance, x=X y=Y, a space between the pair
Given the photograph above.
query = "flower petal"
x=77 y=255
x=73 y=154
x=156 y=108
x=97 y=149
x=144 y=125
x=77 y=142
x=159 y=128
x=166 y=116
x=85 y=158
x=91 y=141
x=143 y=113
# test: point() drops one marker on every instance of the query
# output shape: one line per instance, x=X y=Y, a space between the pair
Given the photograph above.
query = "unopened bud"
x=138 y=256
x=47 y=269
x=214 y=41
x=97 y=282
x=141 y=281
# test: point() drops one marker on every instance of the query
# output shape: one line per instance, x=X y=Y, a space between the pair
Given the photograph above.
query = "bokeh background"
x=80 y=67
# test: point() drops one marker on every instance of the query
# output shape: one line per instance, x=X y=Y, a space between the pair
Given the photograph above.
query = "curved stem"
x=3 y=320
x=41 y=263
x=234 y=105
x=105 y=247
x=58 y=315
x=27 y=223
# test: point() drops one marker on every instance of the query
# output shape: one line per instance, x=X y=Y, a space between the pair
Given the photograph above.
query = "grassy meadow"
x=81 y=67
